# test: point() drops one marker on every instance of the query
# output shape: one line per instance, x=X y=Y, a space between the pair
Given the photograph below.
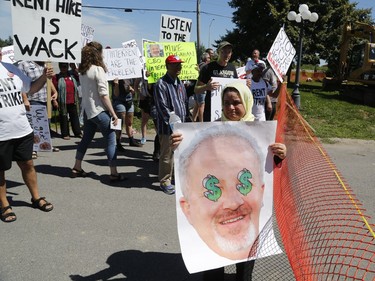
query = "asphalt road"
x=125 y=231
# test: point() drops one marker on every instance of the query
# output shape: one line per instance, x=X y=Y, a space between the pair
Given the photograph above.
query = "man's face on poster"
x=155 y=50
x=227 y=217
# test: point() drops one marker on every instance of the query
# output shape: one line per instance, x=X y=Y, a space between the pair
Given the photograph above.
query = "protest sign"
x=38 y=120
x=174 y=29
x=281 y=54
x=132 y=43
x=241 y=72
x=155 y=60
x=87 y=34
x=216 y=109
x=47 y=30
x=8 y=54
x=224 y=193
x=122 y=63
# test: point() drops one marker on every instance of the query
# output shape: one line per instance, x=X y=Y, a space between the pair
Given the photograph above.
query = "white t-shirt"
x=13 y=119
x=259 y=91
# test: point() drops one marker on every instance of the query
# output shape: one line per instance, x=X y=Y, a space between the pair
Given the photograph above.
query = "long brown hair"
x=91 y=55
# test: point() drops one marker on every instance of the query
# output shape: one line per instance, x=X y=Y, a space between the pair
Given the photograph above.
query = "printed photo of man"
x=222 y=192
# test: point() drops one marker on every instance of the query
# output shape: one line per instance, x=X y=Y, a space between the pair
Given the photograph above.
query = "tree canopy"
x=258 y=22
x=6 y=42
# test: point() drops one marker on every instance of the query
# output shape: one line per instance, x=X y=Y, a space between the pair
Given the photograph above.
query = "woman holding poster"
x=99 y=113
x=237 y=102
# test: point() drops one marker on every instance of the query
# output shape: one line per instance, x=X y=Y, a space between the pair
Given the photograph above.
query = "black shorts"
x=145 y=104
x=16 y=150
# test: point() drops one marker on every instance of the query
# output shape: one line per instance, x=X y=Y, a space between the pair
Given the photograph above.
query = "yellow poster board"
x=156 y=53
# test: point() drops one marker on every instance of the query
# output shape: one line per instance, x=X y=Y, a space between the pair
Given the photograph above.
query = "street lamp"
x=304 y=14
x=209 y=33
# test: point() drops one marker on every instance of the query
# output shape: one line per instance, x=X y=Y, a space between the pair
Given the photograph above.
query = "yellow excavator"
x=360 y=65
x=356 y=75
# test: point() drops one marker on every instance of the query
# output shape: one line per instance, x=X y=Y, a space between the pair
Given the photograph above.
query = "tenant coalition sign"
x=47 y=30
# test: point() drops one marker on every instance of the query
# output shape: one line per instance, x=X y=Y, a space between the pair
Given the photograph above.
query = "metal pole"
x=295 y=94
x=209 y=34
x=198 y=27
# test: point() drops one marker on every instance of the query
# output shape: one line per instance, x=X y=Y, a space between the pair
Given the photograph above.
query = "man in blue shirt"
x=170 y=95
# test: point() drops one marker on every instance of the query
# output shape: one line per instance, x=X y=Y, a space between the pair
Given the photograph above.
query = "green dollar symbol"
x=244 y=177
x=214 y=192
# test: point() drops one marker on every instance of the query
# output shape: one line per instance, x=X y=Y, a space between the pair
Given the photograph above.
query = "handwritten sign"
x=38 y=120
x=185 y=50
x=281 y=54
x=87 y=34
x=216 y=109
x=122 y=63
x=47 y=30
x=174 y=29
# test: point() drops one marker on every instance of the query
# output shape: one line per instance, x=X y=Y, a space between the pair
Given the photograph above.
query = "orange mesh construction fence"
x=324 y=229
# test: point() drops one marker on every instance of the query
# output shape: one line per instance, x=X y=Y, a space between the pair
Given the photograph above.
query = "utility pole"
x=198 y=27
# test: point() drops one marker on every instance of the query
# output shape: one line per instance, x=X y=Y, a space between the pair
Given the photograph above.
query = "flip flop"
x=117 y=178
x=4 y=217
x=78 y=173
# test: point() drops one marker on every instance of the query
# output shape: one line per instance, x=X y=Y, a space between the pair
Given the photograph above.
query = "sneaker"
x=143 y=141
x=135 y=143
x=167 y=189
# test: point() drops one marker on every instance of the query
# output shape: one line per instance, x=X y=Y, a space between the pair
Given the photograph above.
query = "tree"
x=258 y=22
x=6 y=42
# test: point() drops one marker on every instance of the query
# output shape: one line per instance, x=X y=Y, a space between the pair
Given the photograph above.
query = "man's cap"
x=173 y=59
x=259 y=65
x=224 y=44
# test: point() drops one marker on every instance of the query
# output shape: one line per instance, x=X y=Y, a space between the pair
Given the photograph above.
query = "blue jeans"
x=101 y=121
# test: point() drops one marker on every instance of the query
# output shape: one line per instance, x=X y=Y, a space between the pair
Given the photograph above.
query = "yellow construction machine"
x=359 y=64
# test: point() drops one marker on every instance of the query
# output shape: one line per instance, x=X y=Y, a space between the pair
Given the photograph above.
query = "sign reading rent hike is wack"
x=47 y=30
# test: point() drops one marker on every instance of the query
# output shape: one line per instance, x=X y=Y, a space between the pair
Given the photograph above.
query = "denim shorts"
x=199 y=98
x=123 y=106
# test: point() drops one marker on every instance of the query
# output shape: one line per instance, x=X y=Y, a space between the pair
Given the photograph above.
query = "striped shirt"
x=34 y=71
x=170 y=95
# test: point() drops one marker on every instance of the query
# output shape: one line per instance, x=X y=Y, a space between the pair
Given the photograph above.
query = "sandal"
x=117 y=178
x=78 y=173
x=46 y=207
x=4 y=216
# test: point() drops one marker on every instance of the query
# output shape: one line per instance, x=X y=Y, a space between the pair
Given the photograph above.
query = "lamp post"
x=304 y=14
x=209 y=34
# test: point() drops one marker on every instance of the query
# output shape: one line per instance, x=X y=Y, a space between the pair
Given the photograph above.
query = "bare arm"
x=41 y=81
x=200 y=87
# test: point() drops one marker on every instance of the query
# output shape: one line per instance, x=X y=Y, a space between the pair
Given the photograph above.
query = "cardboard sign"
x=47 y=30
x=223 y=172
x=87 y=34
x=122 y=63
x=216 y=108
x=174 y=29
x=157 y=52
x=281 y=54
x=132 y=43
x=38 y=120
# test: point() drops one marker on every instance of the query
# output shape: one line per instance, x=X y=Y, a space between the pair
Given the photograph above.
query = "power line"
x=129 y=10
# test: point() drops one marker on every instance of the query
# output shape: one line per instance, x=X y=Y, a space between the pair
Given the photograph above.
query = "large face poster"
x=224 y=192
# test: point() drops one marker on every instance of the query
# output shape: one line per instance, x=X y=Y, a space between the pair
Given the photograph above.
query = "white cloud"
x=110 y=29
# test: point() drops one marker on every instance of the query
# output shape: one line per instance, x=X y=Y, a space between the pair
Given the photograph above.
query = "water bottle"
x=173 y=119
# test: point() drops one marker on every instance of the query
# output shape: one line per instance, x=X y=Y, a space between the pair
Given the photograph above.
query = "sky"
x=114 y=26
